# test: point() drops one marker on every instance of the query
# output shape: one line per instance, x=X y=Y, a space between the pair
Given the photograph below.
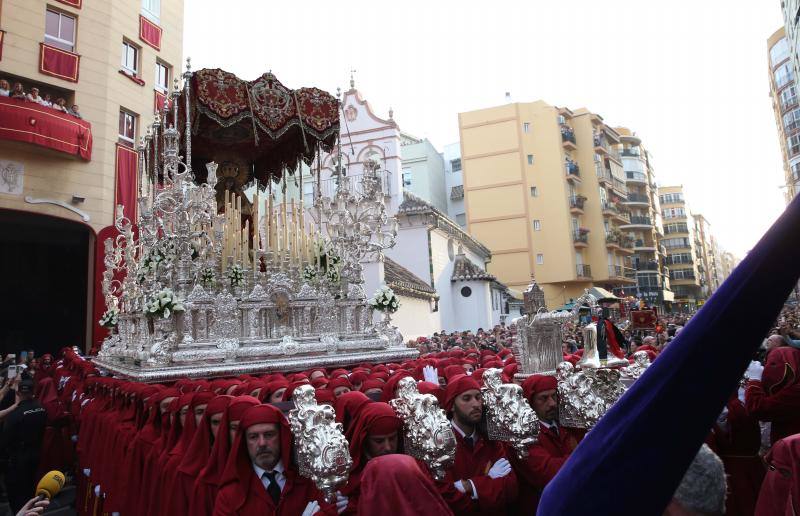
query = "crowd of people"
x=223 y=446
x=18 y=92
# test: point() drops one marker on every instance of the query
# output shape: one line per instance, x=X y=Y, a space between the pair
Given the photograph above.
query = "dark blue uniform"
x=21 y=439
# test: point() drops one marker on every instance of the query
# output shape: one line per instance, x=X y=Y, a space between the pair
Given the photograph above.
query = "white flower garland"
x=384 y=300
x=310 y=273
x=207 y=276
x=109 y=318
x=163 y=304
x=236 y=275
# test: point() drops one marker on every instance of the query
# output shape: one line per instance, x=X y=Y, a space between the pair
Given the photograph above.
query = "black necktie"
x=469 y=442
x=273 y=489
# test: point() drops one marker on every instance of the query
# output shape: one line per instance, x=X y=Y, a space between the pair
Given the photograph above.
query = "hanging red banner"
x=127 y=171
x=74 y=3
x=149 y=32
x=59 y=63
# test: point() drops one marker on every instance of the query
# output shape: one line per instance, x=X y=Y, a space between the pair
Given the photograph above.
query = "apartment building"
x=646 y=226
x=546 y=191
x=112 y=63
x=681 y=246
x=783 y=92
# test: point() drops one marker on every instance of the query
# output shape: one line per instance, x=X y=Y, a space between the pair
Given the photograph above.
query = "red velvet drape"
x=33 y=123
x=149 y=32
x=59 y=63
x=126 y=187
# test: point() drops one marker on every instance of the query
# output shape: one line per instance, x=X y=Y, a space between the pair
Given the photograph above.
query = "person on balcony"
x=60 y=105
x=47 y=101
x=34 y=96
x=74 y=111
x=5 y=88
x=18 y=92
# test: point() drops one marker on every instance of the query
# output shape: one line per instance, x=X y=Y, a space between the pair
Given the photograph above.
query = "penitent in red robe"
x=248 y=497
x=737 y=443
x=545 y=458
x=495 y=496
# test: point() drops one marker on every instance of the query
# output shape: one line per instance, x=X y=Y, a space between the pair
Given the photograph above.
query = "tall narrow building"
x=544 y=188
x=681 y=248
x=646 y=227
x=783 y=92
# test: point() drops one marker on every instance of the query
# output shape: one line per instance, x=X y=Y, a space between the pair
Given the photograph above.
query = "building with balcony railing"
x=66 y=160
x=572 y=158
x=643 y=226
x=783 y=92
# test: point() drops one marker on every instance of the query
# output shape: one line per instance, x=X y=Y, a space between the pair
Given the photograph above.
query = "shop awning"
x=24 y=121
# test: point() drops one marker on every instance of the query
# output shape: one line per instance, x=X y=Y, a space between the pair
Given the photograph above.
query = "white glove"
x=341 y=502
x=740 y=394
x=311 y=509
x=460 y=487
x=430 y=374
x=87 y=472
x=754 y=371
x=500 y=469
x=97 y=490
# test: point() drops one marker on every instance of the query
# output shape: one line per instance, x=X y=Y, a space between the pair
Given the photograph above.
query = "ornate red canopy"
x=263 y=122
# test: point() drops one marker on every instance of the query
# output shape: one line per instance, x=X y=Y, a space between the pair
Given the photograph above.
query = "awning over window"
x=30 y=122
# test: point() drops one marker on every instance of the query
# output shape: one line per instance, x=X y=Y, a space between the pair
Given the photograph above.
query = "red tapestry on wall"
x=149 y=32
x=74 y=3
x=59 y=63
x=30 y=122
x=125 y=192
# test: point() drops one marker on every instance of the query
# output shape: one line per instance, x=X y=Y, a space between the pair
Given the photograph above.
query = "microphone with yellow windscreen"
x=50 y=484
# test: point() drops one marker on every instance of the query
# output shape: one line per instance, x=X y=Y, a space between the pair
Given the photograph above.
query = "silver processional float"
x=193 y=291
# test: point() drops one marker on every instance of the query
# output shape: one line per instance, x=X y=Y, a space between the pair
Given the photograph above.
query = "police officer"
x=21 y=439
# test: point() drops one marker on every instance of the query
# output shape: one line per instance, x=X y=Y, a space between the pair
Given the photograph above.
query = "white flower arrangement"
x=236 y=275
x=163 y=304
x=384 y=300
x=109 y=318
x=333 y=274
x=310 y=273
x=207 y=276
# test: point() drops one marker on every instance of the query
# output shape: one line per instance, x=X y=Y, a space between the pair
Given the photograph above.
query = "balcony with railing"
x=36 y=124
x=640 y=221
x=619 y=186
x=637 y=198
x=568 y=137
x=573 y=171
x=329 y=186
x=636 y=177
x=576 y=203
x=580 y=237
x=644 y=245
x=620 y=273
x=631 y=152
x=603 y=174
x=583 y=271
x=649 y=266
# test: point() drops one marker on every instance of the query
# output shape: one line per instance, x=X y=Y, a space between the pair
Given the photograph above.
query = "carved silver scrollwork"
x=322 y=452
x=427 y=433
x=509 y=417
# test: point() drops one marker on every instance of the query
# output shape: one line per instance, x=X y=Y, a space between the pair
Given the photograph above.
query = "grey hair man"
x=702 y=490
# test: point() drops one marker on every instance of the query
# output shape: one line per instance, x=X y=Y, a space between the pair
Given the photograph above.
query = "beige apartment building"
x=546 y=191
x=62 y=174
x=646 y=226
x=707 y=254
x=682 y=245
x=783 y=92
